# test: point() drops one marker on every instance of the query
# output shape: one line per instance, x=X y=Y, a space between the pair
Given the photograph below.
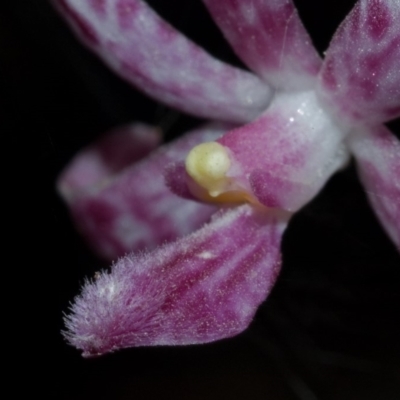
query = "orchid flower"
x=276 y=135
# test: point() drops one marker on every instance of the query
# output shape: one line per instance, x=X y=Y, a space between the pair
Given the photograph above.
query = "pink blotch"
x=99 y=229
x=176 y=179
x=102 y=214
x=269 y=189
x=165 y=33
x=99 y=7
x=378 y=20
x=368 y=89
x=373 y=62
x=126 y=10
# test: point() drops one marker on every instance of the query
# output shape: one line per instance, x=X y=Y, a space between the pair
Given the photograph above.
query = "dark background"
x=330 y=330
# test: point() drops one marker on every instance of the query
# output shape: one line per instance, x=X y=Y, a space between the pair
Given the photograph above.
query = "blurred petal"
x=378 y=159
x=204 y=287
x=142 y=48
x=98 y=163
x=176 y=178
x=269 y=37
x=287 y=155
x=134 y=209
x=360 y=77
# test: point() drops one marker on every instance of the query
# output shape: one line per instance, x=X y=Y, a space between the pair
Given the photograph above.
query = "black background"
x=330 y=329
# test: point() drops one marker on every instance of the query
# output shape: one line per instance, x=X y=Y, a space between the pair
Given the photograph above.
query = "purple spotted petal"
x=142 y=48
x=287 y=155
x=99 y=163
x=378 y=159
x=360 y=77
x=204 y=287
x=270 y=38
x=134 y=209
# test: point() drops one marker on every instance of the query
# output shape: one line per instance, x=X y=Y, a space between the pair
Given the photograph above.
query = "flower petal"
x=287 y=155
x=269 y=37
x=378 y=159
x=204 y=287
x=176 y=178
x=142 y=48
x=134 y=209
x=98 y=163
x=360 y=77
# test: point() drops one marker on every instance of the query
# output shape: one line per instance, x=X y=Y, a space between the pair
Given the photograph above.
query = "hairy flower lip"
x=202 y=288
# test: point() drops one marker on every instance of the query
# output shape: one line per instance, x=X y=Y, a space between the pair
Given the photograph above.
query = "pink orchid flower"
x=280 y=135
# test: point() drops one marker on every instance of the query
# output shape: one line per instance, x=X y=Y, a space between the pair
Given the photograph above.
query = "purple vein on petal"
x=149 y=53
x=269 y=37
x=377 y=153
x=360 y=77
x=204 y=287
x=133 y=209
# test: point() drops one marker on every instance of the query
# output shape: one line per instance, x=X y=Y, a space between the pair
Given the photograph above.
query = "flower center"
x=208 y=165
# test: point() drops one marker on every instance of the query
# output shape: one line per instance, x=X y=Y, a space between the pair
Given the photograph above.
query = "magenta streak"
x=84 y=27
